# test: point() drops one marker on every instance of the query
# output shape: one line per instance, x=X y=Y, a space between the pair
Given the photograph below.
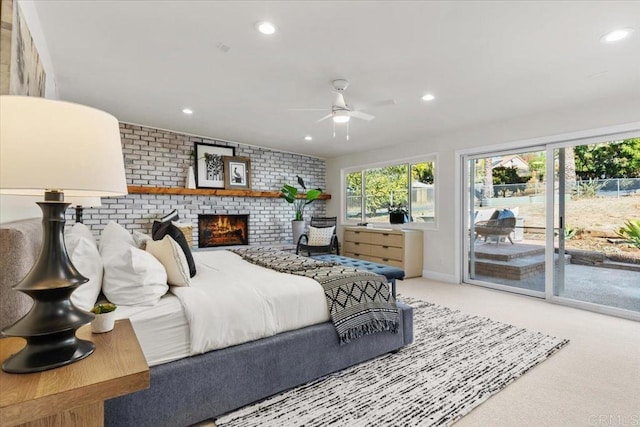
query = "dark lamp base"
x=36 y=357
x=50 y=326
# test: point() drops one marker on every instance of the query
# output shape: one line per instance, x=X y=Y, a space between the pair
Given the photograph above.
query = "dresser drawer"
x=354 y=255
x=387 y=239
x=357 y=247
x=385 y=251
x=358 y=236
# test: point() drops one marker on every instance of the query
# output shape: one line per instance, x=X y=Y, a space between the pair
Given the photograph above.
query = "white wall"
x=441 y=261
x=13 y=208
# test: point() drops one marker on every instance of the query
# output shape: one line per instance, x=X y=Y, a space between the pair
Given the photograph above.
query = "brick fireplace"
x=222 y=230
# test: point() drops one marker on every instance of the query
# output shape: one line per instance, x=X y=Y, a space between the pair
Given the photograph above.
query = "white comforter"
x=231 y=301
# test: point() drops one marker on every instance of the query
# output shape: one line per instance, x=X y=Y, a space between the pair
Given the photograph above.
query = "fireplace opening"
x=222 y=230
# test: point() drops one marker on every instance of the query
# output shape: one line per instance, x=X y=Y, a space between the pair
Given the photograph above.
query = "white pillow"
x=114 y=232
x=172 y=257
x=131 y=275
x=82 y=230
x=86 y=258
x=320 y=236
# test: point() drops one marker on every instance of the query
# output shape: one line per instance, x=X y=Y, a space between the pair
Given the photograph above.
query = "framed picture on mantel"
x=209 y=164
x=237 y=173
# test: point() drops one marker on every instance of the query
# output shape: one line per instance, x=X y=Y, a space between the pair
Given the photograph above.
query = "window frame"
x=410 y=161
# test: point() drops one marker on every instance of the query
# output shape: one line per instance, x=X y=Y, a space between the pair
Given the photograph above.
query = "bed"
x=187 y=388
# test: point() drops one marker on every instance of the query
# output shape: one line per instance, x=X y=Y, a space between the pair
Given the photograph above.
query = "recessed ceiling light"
x=428 y=97
x=308 y=138
x=187 y=110
x=616 y=35
x=266 y=27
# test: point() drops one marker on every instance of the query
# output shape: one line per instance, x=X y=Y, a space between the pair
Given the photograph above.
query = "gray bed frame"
x=206 y=386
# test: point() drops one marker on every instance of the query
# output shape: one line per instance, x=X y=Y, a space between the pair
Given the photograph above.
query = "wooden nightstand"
x=74 y=395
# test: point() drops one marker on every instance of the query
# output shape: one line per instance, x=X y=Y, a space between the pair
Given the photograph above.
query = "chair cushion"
x=320 y=236
x=505 y=213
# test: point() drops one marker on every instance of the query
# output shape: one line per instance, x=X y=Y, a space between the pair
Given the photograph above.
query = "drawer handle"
x=385 y=259
x=385 y=234
x=356 y=232
x=356 y=243
x=386 y=247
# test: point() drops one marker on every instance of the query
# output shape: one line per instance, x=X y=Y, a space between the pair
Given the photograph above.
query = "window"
x=372 y=193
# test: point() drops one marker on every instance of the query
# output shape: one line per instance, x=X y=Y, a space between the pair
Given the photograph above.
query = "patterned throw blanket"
x=360 y=302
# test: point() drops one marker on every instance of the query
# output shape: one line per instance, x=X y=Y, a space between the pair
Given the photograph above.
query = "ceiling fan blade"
x=307 y=109
x=361 y=115
x=325 y=117
x=382 y=103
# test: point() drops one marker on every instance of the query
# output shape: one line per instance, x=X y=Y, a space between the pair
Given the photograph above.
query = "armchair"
x=320 y=239
x=496 y=227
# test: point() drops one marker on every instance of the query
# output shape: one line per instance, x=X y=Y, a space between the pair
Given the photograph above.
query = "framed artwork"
x=237 y=173
x=209 y=164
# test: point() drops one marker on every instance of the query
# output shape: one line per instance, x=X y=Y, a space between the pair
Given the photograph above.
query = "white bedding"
x=162 y=330
x=229 y=302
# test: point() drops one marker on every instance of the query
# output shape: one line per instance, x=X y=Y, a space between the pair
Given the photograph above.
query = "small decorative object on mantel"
x=191 y=179
x=209 y=164
x=290 y=194
x=105 y=318
x=237 y=173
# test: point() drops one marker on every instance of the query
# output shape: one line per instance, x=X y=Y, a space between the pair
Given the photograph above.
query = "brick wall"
x=161 y=158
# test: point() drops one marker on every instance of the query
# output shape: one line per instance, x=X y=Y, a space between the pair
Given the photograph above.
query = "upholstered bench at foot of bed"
x=391 y=273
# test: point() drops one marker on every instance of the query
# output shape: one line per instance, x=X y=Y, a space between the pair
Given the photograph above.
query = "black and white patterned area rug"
x=457 y=361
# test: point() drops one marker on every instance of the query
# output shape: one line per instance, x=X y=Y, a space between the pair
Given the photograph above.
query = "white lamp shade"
x=55 y=145
x=85 y=202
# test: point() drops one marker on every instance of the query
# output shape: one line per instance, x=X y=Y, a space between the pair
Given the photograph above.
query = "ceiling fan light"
x=341 y=116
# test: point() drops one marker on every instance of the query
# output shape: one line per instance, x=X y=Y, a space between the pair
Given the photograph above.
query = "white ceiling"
x=144 y=61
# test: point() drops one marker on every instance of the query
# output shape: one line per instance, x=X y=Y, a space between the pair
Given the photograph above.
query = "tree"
x=617 y=159
x=423 y=172
x=487 y=188
x=570 y=176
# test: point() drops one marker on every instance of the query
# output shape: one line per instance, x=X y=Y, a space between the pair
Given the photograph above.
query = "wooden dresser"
x=399 y=248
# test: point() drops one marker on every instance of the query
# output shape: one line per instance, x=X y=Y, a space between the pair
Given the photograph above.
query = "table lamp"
x=55 y=148
x=80 y=203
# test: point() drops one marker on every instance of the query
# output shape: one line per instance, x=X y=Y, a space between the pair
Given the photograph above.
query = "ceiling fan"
x=341 y=112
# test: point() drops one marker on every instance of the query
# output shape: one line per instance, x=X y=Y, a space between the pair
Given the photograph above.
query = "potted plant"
x=290 y=194
x=105 y=317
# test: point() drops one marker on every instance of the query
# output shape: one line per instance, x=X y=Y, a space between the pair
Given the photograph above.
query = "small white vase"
x=298 y=229
x=191 y=178
x=103 y=322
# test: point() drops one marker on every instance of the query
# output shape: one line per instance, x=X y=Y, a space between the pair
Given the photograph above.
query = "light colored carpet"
x=457 y=362
x=594 y=381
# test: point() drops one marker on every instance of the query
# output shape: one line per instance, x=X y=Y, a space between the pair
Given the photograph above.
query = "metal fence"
x=610 y=187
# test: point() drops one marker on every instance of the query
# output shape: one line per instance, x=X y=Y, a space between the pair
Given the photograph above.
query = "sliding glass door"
x=559 y=221
x=594 y=198
x=505 y=215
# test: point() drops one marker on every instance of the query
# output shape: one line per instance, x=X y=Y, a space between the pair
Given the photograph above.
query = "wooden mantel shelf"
x=137 y=189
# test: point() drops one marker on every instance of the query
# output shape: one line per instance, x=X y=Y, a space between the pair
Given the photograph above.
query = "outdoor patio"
x=521 y=265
